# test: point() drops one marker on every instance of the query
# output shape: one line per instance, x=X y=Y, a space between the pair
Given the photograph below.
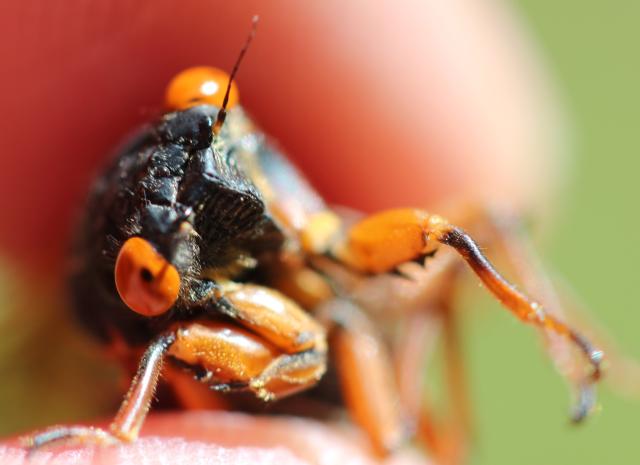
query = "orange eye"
x=146 y=282
x=202 y=84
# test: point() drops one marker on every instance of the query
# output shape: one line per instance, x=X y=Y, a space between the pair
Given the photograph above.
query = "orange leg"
x=367 y=378
x=413 y=350
x=383 y=241
x=449 y=439
x=128 y=420
x=282 y=351
x=282 y=324
x=514 y=245
x=269 y=313
x=231 y=358
x=446 y=436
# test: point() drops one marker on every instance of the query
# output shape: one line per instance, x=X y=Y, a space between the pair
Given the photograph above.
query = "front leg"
x=272 y=348
x=127 y=422
x=381 y=242
x=299 y=340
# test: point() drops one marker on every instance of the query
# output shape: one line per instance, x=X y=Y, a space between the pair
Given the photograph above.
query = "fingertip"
x=381 y=107
x=176 y=451
x=225 y=438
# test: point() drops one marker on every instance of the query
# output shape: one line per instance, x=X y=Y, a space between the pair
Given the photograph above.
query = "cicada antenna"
x=222 y=113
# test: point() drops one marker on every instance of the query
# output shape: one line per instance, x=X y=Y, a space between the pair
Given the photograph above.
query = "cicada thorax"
x=230 y=212
x=190 y=196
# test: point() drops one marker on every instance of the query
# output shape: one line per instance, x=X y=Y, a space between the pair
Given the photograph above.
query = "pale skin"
x=352 y=126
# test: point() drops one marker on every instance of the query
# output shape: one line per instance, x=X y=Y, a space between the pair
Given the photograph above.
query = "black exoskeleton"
x=188 y=197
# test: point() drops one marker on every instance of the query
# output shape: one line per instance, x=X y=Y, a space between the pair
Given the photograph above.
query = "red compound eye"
x=200 y=85
x=146 y=282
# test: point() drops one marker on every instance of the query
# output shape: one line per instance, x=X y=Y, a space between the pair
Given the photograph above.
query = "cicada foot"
x=69 y=436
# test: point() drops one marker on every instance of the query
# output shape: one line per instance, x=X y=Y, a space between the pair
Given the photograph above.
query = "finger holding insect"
x=412 y=147
x=236 y=438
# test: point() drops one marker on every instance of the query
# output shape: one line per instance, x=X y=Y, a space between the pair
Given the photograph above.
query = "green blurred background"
x=520 y=404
